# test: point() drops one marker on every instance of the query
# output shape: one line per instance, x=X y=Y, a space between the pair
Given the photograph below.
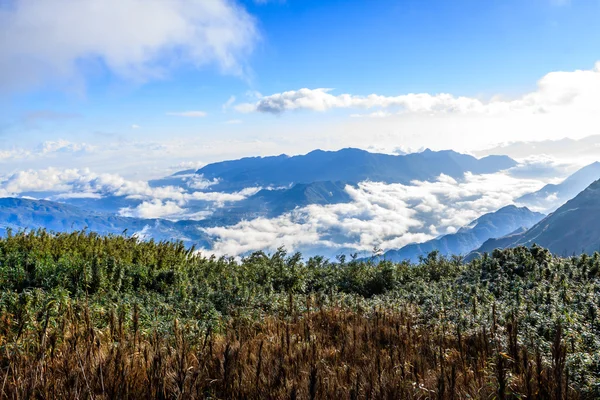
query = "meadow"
x=84 y=316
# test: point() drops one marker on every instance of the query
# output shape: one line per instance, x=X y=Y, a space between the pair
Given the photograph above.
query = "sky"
x=144 y=88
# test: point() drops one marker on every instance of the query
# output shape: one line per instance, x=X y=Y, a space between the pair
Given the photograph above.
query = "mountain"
x=470 y=237
x=552 y=196
x=19 y=213
x=299 y=195
x=108 y=204
x=99 y=215
x=270 y=203
x=347 y=165
x=572 y=228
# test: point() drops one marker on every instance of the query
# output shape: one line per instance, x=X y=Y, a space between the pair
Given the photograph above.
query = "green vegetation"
x=87 y=316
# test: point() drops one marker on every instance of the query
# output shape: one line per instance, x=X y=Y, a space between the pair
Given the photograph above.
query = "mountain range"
x=281 y=184
x=347 y=165
x=287 y=182
x=470 y=237
x=19 y=213
x=572 y=228
x=552 y=196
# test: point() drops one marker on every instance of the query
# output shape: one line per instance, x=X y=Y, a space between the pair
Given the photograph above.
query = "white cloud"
x=384 y=215
x=71 y=183
x=451 y=230
x=189 y=114
x=153 y=209
x=54 y=40
x=322 y=100
x=555 y=91
x=37 y=181
x=196 y=181
x=135 y=126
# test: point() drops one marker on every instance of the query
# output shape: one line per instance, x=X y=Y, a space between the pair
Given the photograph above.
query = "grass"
x=83 y=316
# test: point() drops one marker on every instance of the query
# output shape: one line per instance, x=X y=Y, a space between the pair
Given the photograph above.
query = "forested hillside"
x=88 y=316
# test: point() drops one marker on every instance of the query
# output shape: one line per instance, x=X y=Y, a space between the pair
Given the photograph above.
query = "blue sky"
x=130 y=77
x=390 y=47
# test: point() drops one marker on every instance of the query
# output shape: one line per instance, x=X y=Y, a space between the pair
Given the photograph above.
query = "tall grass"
x=327 y=352
x=83 y=316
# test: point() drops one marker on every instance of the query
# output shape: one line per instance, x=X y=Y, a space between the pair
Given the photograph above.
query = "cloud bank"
x=579 y=90
x=388 y=216
x=170 y=201
x=42 y=41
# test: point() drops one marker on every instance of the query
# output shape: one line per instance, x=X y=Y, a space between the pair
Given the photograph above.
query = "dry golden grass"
x=325 y=353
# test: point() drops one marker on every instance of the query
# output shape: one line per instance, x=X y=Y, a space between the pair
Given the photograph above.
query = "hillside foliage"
x=89 y=316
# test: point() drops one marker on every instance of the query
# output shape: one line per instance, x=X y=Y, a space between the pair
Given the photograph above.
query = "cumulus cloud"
x=38 y=43
x=321 y=100
x=38 y=181
x=384 y=215
x=556 y=90
x=197 y=181
x=153 y=209
x=176 y=205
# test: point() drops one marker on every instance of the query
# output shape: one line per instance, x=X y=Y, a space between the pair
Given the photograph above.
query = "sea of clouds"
x=386 y=216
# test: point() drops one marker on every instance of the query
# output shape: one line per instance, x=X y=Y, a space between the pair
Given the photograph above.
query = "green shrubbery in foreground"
x=85 y=316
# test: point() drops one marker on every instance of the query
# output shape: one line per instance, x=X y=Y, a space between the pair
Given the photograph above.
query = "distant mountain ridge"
x=348 y=165
x=273 y=203
x=299 y=195
x=572 y=228
x=552 y=196
x=19 y=213
x=470 y=237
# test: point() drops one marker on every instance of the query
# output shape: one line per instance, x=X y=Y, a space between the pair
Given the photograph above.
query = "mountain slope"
x=299 y=195
x=273 y=203
x=552 y=196
x=18 y=213
x=347 y=165
x=572 y=228
x=470 y=237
